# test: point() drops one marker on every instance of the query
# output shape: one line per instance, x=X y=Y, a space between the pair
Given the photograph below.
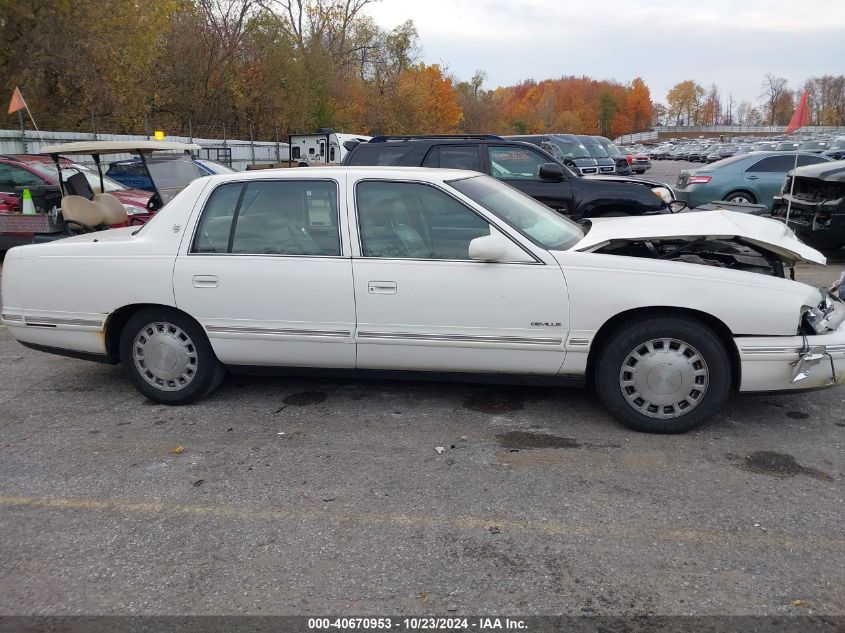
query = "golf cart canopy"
x=119 y=147
x=169 y=164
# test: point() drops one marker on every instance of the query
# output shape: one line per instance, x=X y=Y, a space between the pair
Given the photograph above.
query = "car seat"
x=386 y=231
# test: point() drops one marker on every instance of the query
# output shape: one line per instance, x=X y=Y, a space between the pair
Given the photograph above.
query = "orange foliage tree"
x=575 y=105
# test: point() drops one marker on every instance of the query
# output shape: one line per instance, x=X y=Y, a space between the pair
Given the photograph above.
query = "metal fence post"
x=23 y=130
x=251 y=143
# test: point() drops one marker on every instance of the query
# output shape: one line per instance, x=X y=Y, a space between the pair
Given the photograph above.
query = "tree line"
x=689 y=103
x=270 y=67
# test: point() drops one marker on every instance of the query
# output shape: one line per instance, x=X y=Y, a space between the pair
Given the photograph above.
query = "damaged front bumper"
x=817 y=222
x=786 y=363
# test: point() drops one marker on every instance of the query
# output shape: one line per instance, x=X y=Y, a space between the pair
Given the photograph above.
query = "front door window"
x=515 y=163
x=413 y=220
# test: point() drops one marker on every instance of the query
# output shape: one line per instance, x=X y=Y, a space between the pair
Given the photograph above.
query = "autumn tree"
x=638 y=106
x=684 y=101
x=773 y=89
x=711 y=109
x=826 y=95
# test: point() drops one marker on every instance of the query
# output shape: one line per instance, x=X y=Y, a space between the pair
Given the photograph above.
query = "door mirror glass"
x=551 y=171
x=677 y=205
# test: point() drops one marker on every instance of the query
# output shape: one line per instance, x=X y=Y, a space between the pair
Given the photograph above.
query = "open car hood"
x=764 y=233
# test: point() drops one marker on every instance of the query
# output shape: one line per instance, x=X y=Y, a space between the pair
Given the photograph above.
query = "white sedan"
x=406 y=270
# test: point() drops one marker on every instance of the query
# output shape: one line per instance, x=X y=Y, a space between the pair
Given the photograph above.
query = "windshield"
x=597 y=151
x=610 y=148
x=171 y=174
x=535 y=221
x=569 y=149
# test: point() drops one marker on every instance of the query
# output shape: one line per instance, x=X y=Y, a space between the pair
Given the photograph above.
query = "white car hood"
x=765 y=233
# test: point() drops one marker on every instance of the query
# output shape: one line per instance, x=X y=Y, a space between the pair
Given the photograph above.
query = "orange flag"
x=17 y=102
x=801 y=116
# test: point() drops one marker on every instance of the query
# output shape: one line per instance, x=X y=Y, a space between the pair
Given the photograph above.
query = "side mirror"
x=551 y=171
x=677 y=205
x=488 y=248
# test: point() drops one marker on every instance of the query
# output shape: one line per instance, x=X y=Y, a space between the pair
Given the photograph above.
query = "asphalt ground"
x=295 y=496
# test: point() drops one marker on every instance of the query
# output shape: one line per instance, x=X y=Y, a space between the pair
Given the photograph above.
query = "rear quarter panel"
x=79 y=281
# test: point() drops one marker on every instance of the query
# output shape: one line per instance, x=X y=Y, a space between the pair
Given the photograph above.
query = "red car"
x=35 y=171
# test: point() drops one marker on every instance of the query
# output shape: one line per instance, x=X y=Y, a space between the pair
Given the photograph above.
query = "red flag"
x=801 y=116
x=17 y=102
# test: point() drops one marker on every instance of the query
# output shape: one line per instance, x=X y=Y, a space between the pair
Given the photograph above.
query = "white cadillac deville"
x=439 y=271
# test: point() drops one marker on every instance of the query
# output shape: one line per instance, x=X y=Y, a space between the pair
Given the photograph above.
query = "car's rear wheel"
x=663 y=375
x=168 y=357
x=741 y=196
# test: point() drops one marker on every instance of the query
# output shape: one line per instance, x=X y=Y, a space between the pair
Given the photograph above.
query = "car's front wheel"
x=168 y=357
x=663 y=375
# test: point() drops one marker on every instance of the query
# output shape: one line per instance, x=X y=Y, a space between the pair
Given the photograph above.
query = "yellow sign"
x=159 y=135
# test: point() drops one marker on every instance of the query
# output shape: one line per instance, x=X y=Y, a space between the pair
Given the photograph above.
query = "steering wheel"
x=88 y=228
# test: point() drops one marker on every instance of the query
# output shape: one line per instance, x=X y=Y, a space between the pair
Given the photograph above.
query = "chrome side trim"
x=234 y=329
x=579 y=342
x=11 y=317
x=460 y=338
x=833 y=349
x=54 y=321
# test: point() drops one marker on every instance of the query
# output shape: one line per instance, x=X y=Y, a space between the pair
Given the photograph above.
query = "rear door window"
x=454 y=157
x=289 y=217
x=378 y=154
x=781 y=164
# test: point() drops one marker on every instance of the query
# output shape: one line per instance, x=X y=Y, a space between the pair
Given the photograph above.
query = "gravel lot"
x=292 y=496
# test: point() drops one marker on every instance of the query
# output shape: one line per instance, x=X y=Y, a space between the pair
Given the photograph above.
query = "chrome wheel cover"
x=165 y=356
x=739 y=198
x=664 y=378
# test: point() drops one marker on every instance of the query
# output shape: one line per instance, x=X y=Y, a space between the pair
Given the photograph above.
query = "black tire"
x=741 y=193
x=690 y=412
x=183 y=342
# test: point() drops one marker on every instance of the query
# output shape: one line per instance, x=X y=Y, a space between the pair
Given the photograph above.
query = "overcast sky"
x=732 y=43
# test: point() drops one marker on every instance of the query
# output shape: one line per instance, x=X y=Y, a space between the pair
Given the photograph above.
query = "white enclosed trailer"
x=324 y=146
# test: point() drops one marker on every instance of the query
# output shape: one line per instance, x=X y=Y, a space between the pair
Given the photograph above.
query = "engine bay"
x=728 y=253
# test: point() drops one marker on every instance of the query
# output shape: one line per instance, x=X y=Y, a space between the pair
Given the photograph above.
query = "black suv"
x=524 y=166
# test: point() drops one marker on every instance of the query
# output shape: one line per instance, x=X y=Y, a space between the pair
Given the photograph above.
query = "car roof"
x=303 y=173
x=27 y=158
x=737 y=159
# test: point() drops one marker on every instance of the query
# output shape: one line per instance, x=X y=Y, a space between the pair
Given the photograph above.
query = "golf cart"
x=170 y=167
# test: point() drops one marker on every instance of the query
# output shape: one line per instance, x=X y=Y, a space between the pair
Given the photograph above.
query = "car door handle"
x=381 y=287
x=204 y=281
x=753 y=177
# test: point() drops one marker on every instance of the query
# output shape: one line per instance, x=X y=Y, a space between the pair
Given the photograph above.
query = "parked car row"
x=751 y=178
x=704 y=151
x=589 y=155
x=530 y=164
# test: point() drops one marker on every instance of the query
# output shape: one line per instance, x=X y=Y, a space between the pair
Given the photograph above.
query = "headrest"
x=78 y=185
